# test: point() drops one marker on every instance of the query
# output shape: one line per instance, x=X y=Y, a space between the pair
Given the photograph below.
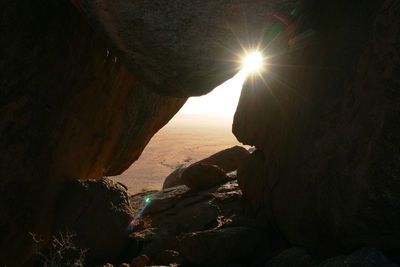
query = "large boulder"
x=177 y=216
x=250 y=176
x=69 y=110
x=88 y=208
x=180 y=47
x=174 y=178
x=326 y=117
x=228 y=159
x=202 y=176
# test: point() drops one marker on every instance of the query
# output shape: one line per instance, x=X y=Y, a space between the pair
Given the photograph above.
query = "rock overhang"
x=182 y=48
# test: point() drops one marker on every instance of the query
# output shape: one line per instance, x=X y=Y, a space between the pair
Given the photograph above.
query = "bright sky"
x=223 y=100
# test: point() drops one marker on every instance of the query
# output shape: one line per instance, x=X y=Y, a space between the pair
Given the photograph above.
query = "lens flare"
x=132 y=224
x=253 y=61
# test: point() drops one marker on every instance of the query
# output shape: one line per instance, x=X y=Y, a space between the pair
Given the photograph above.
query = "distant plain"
x=187 y=138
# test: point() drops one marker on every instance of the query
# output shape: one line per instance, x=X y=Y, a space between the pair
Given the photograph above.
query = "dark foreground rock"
x=69 y=110
x=181 y=48
x=292 y=257
x=365 y=257
x=228 y=160
x=98 y=226
x=219 y=246
x=326 y=120
x=205 y=227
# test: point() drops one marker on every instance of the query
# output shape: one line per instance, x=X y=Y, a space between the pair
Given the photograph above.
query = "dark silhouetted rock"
x=177 y=211
x=292 y=257
x=250 y=176
x=365 y=257
x=326 y=116
x=228 y=159
x=181 y=48
x=219 y=246
x=202 y=176
x=69 y=110
x=98 y=213
x=174 y=179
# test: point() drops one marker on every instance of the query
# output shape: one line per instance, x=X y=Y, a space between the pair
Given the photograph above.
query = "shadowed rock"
x=178 y=47
x=326 y=118
x=219 y=246
x=228 y=159
x=202 y=176
x=290 y=258
x=69 y=110
x=174 y=179
x=100 y=225
x=367 y=257
x=174 y=212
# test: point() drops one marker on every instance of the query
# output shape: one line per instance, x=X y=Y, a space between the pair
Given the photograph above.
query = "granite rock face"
x=205 y=227
x=68 y=110
x=326 y=118
x=98 y=213
x=179 y=47
x=80 y=101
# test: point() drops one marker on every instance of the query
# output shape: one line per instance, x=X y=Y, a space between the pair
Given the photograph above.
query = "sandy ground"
x=183 y=141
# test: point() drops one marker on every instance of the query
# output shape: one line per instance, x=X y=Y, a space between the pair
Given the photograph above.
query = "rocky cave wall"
x=69 y=110
x=325 y=120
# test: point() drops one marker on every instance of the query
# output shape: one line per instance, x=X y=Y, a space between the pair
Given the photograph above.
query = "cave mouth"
x=201 y=128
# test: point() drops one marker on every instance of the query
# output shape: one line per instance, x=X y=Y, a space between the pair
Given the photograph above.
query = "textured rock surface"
x=326 y=117
x=69 y=109
x=218 y=214
x=180 y=47
x=251 y=180
x=202 y=176
x=98 y=213
x=228 y=159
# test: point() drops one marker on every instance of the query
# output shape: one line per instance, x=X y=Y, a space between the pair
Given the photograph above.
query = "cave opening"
x=202 y=127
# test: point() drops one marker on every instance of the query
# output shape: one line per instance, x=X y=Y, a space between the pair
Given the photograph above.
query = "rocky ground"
x=203 y=219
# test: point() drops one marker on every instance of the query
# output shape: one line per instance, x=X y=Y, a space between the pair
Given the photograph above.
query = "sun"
x=253 y=62
x=223 y=100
